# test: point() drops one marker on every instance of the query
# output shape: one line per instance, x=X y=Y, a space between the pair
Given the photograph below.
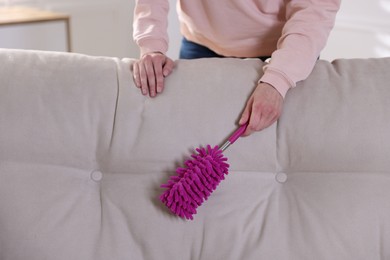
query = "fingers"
x=136 y=75
x=149 y=76
x=149 y=73
x=262 y=109
x=158 y=84
x=140 y=77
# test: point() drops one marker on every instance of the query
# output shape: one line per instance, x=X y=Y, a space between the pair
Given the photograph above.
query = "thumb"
x=245 y=115
x=168 y=67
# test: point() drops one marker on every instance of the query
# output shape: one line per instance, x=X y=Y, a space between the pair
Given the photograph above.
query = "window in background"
x=383 y=36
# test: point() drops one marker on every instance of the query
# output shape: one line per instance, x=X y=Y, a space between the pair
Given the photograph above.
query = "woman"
x=291 y=32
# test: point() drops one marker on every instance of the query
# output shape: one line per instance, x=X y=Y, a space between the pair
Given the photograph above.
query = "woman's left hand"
x=262 y=109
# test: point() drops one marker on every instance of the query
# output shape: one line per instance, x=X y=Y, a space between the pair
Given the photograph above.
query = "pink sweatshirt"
x=294 y=31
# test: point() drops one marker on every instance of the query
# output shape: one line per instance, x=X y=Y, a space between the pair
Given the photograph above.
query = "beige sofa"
x=82 y=155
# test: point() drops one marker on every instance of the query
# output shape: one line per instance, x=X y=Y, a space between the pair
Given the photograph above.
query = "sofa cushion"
x=337 y=120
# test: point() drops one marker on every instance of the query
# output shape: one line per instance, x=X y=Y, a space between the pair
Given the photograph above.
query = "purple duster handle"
x=234 y=137
x=237 y=133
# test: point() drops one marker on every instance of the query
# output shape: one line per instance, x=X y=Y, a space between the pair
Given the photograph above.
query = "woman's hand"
x=149 y=72
x=262 y=109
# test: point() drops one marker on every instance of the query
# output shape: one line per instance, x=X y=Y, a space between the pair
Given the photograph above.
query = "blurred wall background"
x=104 y=27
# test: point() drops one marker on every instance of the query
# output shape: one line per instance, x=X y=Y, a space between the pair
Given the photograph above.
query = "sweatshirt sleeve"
x=150 y=25
x=304 y=35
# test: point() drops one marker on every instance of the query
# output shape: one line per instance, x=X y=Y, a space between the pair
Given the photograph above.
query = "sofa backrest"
x=82 y=155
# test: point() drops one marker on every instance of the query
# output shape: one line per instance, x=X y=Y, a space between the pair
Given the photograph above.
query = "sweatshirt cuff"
x=152 y=45
x=276 y=79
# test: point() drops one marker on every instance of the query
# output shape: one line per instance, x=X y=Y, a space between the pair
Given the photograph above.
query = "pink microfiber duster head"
x=201 y=176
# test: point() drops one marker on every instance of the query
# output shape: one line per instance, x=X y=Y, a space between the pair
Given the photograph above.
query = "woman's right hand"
x=149 y=72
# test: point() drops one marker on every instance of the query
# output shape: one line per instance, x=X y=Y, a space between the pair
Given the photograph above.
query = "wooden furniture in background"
x=27 y=16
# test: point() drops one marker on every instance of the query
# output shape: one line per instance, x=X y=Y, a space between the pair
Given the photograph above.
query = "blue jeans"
x=191 y=50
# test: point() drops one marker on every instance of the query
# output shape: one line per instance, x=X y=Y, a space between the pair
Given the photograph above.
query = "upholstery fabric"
x=82 y=155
